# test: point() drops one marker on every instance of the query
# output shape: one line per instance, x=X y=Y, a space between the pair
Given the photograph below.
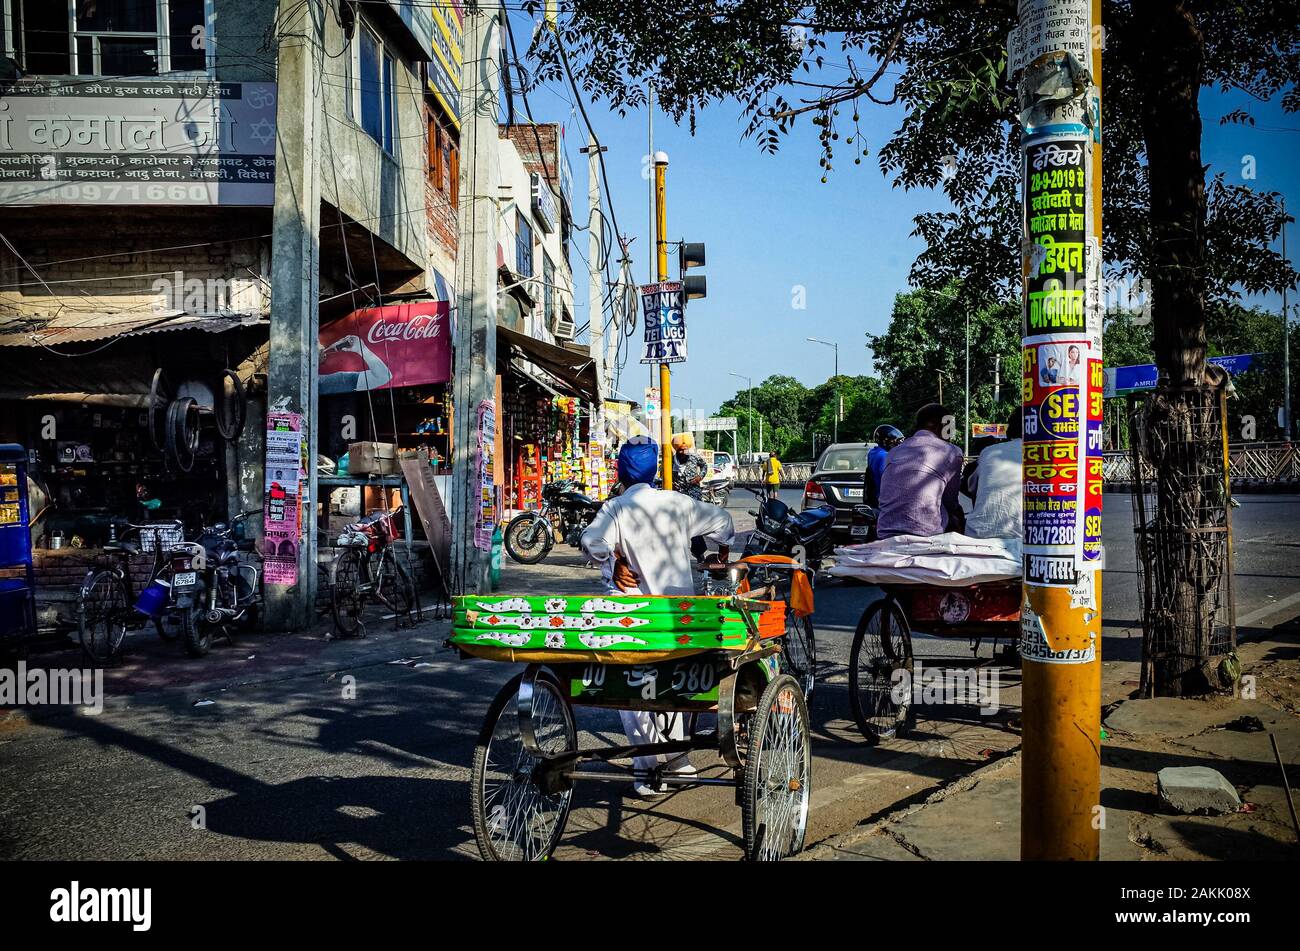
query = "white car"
x=723 y=467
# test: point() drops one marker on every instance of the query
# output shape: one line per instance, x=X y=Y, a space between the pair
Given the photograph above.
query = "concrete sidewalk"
x=977 y=817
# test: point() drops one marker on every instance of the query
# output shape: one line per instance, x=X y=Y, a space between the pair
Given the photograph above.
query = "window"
x=378 y=96
x=436 y=171
x=110 y=37
x=523 y=246
x=548 y=291
x=453 y=175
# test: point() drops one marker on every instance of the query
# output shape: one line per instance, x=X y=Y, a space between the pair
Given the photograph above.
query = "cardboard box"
x=372 y=458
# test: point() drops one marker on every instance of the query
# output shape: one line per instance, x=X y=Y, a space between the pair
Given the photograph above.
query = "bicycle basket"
x=164 y=535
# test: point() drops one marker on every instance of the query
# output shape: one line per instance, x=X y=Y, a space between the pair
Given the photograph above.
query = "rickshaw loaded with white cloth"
x=939 y=577
x=661 y=655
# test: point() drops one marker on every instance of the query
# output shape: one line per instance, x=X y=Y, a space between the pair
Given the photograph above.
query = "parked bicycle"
x=368 y=570
x=108 y=604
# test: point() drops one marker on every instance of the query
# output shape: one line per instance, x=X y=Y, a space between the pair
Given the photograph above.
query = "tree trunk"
x=1184 y=561
x=1170 y=72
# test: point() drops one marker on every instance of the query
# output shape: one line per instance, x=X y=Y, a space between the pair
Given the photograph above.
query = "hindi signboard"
x=137 y=142
x=664 y=315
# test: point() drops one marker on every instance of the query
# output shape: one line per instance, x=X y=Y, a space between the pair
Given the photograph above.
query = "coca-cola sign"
x=381 y=347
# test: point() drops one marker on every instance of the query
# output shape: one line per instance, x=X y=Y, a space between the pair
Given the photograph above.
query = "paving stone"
x=1197 y=790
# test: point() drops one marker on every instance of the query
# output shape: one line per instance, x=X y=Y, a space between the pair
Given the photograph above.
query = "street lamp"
x=749 y=395
x=966 y=423
x=835 y=436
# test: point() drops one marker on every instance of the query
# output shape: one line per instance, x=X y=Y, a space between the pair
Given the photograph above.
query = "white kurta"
x=652 y=530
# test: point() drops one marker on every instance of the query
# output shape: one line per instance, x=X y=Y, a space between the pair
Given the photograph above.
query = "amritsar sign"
x=137 y=142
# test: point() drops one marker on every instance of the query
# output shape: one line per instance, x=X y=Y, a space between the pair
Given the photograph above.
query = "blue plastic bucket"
x=152 y=599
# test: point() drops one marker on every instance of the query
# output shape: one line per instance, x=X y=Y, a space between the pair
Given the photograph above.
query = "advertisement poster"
x=283 y=494
x=664 y=316
x=1062 y=380
x=484 y=435
x=381 y=347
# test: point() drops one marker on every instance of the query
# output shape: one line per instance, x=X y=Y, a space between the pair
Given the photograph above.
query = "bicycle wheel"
x=778 y=774
x=799 y=652
x=395 y=587
x=527 y=540
x=515 y=817
x=880 y=671
x=347 y=591
x=102 y=612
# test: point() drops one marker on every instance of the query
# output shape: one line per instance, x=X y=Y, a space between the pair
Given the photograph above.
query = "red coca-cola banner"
x=380 y=347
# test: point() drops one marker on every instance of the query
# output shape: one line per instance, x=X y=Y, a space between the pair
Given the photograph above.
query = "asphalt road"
x=372 y=761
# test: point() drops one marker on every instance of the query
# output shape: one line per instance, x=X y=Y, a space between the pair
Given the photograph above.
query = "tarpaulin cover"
x=948 y=560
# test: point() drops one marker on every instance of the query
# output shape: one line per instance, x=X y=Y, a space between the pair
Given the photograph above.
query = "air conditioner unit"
x=565 y=328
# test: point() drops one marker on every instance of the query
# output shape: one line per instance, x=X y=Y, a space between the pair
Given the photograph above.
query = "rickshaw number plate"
x=693 y=678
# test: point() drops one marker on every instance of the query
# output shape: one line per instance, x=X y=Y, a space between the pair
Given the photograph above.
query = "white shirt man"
x=998 y=486
x=651 y=530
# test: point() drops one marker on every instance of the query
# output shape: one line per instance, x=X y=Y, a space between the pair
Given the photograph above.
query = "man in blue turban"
x=641 y=540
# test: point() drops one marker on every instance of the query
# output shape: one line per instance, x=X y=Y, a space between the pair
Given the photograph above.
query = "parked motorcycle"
x=804 y=536
x=565 y=512
x=212 y=590
x=863 y=526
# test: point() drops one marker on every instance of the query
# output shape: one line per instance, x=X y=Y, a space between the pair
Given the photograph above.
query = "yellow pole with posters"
x=1060 y=813
x=665 y=376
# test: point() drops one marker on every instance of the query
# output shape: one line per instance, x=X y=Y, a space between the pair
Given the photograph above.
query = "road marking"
x=1268 y=609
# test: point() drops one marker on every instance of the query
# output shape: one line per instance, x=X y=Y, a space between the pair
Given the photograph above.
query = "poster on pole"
x=664 y=315
x=1047 y=26
x=1062 y=374
x=484 y=442
x=283 y=485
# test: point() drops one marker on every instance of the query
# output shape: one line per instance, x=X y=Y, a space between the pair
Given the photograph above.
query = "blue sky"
x=770 y=224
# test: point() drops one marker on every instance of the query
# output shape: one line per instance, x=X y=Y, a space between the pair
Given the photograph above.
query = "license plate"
x=185 y=579
x=858 y=531
x=853 y=493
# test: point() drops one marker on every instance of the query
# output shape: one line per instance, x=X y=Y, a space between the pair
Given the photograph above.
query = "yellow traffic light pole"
x=665 y=376
x=1060 y=813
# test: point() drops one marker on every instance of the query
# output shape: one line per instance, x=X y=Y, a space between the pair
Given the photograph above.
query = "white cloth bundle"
x=948 y=560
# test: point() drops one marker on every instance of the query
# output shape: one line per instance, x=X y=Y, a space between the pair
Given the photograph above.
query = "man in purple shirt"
x=918 y=491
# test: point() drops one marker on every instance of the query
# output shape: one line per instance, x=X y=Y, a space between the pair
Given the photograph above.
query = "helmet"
x=887 y=436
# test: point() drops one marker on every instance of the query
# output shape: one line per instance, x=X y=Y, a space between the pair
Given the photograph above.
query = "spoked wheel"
x=102 y=612
x=527 y=540
x=347 y=591
x=799 y=652
x=880 y=671
x=519 y=810
x=395 y=586
x=778 y=774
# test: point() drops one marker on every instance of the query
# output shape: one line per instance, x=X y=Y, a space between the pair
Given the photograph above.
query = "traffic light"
x=689 y=255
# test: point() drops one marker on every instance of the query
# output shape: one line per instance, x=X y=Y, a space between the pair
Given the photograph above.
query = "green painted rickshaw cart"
x=673 y=656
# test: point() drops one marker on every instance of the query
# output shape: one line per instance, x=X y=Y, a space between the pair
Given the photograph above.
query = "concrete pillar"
x=475 y=339
x=295 y=279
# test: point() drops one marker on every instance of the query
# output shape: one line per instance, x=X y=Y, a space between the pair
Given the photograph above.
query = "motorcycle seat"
x=578 y=499
x=813 y=520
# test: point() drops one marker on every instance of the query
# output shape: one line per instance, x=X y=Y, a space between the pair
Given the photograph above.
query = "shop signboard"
x=664 y=316
x=137 y=142
x=444 y=67
x=381 y=347
x=282 y=521
x=997 y=430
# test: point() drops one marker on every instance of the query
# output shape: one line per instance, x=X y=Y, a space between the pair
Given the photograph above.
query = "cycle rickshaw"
x=670 y=655
x=882 y=663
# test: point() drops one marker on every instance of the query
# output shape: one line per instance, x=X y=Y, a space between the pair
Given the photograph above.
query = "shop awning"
x=576 y=371
x=80 y=327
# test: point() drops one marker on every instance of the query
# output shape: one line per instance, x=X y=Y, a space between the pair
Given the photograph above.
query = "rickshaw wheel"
x=799 y=652
x=778 y=774
x=881 y=696
x=515 y=819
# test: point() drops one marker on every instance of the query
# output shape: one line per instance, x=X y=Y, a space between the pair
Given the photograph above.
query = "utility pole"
x=661 y=268
x=293 y=371
x=966 y=435
x=749 y=399
x=1286 y=345
x=1059 y=97
x=476 y=292
x=595 y=294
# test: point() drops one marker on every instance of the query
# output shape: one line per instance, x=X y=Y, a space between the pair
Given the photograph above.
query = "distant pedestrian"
x=774 y=470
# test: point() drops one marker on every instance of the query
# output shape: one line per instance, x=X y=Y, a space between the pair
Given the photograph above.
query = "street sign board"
x=1142 y=376
x=664 y=316
x=715 y=424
